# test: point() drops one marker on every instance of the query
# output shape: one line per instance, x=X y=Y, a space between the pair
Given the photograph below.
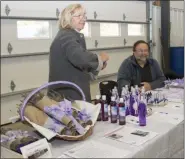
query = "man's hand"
x=147 y=86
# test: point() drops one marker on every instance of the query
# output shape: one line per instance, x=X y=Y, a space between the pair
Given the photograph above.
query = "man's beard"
x=141 y=59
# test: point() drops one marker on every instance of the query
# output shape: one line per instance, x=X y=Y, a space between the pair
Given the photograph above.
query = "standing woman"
x=69 y=59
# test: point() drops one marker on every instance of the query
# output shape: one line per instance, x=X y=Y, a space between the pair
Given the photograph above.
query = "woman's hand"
x=104 y=65
x=104 y=56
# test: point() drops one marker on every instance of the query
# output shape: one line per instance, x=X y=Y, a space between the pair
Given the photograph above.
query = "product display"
x=132 y=103
x=58 y=114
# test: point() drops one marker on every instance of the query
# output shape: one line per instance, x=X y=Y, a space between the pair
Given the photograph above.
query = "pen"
x=177 y=106
x=134 y=120
x=163 y=112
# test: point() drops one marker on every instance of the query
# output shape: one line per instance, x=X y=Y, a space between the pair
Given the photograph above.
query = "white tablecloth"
x=168 y=143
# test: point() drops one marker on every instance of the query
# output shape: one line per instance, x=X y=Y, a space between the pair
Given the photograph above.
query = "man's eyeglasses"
x=142 y=51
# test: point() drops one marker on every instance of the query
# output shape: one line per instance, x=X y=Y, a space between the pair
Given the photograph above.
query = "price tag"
x=38 y=149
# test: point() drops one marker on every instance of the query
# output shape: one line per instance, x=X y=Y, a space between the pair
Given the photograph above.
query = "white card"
x=96 y=149
x=132 y=119
x=38 y=149
x=174 y=119
x=125 y=135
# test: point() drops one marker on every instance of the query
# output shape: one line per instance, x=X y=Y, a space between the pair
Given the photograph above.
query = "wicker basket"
x=64 y=137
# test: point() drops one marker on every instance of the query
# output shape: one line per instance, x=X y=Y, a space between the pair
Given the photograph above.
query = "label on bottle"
x=114 y=110
x=100 y=111
x=122 y=111
x=106 y=108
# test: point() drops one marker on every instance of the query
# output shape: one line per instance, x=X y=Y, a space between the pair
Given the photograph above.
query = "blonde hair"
x=66 y=15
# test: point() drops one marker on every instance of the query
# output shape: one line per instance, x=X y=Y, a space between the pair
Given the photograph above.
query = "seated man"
x=140 y=70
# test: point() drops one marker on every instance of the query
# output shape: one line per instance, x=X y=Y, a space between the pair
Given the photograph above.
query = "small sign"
x=38 y=149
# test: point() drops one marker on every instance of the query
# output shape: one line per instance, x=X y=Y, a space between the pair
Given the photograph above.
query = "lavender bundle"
x=50 y=107
x=66 y=108
x=84 y=118
x=39 y=117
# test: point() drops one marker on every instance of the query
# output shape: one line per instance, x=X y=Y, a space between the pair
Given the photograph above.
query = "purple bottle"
x=97 y=101
x=132 y=101
x=142 y=114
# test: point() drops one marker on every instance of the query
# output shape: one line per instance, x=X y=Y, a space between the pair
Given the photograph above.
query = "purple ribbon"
x=83 y=115
x=65 y=105
x=55 y=111
x=54 y=126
